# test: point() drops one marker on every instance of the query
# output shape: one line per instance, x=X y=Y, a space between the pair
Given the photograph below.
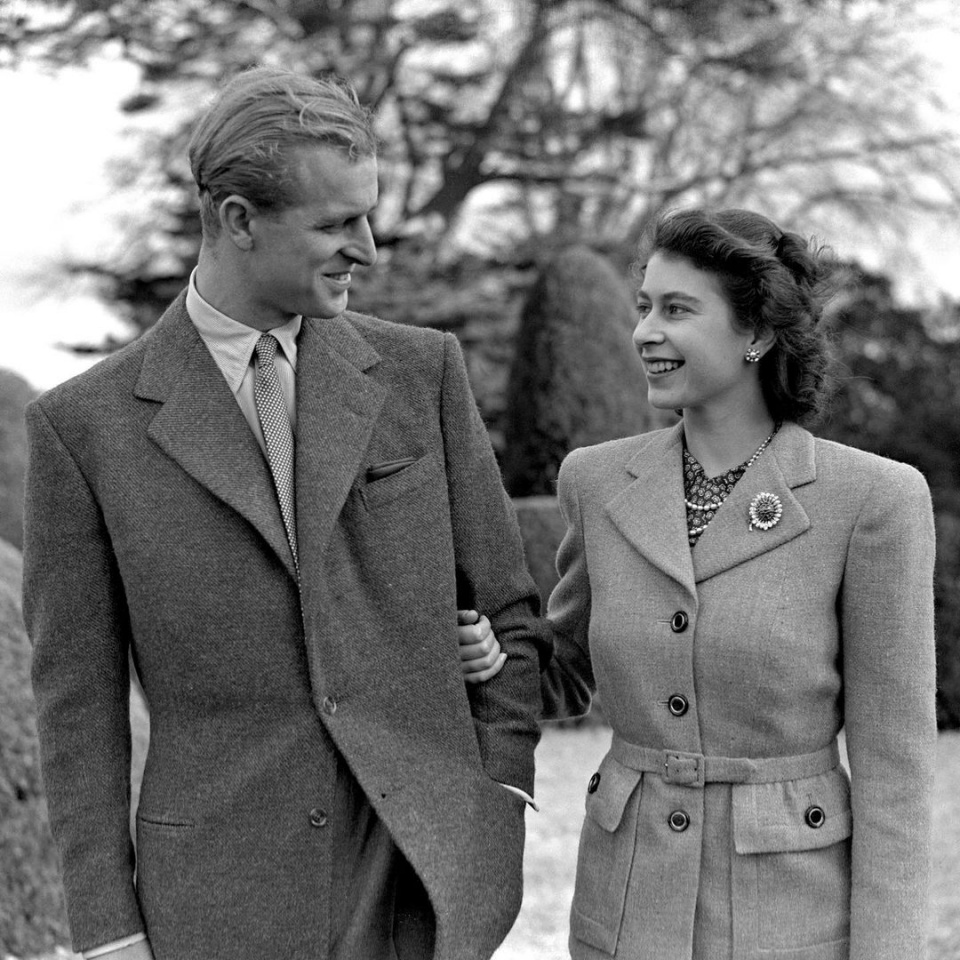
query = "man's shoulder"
x=391 y=334
x=414 y=353
x=114 y=376
x=116 y=372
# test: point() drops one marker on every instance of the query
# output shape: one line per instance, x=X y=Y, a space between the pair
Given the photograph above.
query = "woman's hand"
x=480 y=655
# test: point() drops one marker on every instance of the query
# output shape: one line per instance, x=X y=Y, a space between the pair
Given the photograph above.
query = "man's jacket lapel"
x=201 y=427
x=337 y=407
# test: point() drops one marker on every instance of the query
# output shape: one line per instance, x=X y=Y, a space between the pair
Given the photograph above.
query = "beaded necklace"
x=703 y=495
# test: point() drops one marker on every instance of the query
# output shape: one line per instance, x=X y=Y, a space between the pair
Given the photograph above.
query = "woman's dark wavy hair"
x=774 y=280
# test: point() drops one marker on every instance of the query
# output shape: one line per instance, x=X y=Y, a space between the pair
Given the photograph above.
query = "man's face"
x=301 y=257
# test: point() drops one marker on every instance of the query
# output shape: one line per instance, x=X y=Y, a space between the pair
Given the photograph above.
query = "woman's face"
x=692 y=351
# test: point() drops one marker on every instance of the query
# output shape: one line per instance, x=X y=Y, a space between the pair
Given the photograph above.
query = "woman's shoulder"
x=860 y=478
x=623 y=449
x=855 y=463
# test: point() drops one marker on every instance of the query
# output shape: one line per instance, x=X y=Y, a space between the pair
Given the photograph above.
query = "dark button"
x=678 y=821
x=679 y=622
x=815 y=817
x=318 y=817
x=594 y=783
x=329 y=706
x=678 y=705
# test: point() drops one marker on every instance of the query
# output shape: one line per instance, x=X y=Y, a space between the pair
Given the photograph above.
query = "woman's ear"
x=235 y=214
x=763 y=341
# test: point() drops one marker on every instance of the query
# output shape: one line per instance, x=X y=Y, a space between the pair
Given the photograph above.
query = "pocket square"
x=386 y=469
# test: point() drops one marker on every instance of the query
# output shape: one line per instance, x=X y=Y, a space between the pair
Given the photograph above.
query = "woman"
x=737 y=591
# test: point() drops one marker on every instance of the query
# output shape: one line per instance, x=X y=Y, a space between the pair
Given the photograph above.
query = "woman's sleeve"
x=566 y=681
x=886 y=609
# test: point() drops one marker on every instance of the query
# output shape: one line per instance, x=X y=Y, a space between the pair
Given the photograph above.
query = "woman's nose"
x=647 y=330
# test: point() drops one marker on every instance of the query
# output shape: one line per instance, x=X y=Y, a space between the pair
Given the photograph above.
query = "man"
x=276 y=507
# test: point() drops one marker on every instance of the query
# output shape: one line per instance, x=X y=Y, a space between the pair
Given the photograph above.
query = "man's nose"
x=361 y=246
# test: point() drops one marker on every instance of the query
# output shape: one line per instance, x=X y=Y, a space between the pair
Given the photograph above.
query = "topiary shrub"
x=542 y=528
x=32 y=911
x=15 y=394
x=576 y=378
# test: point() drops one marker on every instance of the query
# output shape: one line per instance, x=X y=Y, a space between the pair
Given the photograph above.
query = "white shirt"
x=231 y=344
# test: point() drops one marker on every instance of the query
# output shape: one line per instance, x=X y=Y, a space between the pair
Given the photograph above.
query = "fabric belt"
x=694 y=769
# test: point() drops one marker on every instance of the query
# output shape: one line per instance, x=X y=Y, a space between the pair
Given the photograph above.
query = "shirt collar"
x=231 y=342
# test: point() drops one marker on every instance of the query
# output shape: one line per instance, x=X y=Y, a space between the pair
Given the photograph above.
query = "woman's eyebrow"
x=673 y=295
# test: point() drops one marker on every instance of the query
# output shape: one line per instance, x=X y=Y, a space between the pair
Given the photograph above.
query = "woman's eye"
x=643 y=309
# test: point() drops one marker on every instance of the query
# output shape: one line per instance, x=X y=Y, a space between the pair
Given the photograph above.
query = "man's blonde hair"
x=242 y=144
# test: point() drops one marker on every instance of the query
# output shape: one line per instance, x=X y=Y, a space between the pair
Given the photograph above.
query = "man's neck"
x=219 y=285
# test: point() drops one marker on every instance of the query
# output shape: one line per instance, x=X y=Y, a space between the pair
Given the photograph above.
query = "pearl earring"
x=752 y=355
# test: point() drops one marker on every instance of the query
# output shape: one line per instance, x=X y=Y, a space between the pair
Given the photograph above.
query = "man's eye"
x=643 y=309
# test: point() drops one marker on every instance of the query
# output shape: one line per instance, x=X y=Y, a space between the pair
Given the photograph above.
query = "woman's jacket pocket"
x=606 y=854
x=792 y=869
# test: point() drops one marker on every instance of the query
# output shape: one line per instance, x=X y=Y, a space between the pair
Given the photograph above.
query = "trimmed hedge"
x=576 y=378
x=15 y=394
x=32 y=911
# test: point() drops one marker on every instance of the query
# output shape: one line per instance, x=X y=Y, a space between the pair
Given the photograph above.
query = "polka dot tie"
x=275 y=423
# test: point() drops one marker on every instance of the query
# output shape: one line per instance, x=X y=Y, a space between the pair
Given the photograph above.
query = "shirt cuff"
x=114 y=945
x=522 y=794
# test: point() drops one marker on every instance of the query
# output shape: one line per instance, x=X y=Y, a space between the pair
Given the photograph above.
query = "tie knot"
x=266 y=348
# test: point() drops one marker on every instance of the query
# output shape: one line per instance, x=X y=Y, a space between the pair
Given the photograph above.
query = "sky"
x=59 y=133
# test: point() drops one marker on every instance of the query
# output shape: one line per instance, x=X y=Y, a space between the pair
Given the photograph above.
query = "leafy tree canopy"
x=514 y=126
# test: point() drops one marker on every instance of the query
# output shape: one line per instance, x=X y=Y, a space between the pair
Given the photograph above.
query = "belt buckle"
x=683 y=769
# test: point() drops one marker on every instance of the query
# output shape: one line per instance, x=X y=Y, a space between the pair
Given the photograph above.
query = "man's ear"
x=235 y=213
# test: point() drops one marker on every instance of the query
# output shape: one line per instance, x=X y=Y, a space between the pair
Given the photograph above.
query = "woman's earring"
x=752 y=355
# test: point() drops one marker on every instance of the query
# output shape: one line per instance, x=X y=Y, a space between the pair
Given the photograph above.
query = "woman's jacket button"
x=679 y=622
x=678 y=705
x=679 y=821
x=815 y=817
x=318 y=817
x=594 y=783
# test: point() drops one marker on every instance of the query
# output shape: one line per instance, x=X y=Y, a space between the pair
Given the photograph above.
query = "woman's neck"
x=722 y=443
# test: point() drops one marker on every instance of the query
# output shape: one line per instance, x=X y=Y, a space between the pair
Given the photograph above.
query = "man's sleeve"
x=492 y=577
x=76 y=618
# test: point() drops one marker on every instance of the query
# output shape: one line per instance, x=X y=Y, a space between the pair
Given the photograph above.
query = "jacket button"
x=678 y=821
x=594 y=783
x=329 y=706
x=815 y=817
x=678 y=705
x=679 y=622
x=318 y=817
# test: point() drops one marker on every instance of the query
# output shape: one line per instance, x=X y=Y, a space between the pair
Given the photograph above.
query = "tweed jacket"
x=152 y=527
x=756 y=644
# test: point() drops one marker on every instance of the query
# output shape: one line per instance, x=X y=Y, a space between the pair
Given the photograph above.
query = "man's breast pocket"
x=384 y=481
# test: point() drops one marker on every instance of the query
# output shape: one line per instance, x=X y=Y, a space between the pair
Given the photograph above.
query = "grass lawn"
x=565 y=761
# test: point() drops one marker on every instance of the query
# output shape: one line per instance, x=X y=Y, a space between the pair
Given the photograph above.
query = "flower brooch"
x=765 y=511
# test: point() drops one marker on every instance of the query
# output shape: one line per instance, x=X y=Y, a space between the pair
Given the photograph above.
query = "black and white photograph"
x=480 y=480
